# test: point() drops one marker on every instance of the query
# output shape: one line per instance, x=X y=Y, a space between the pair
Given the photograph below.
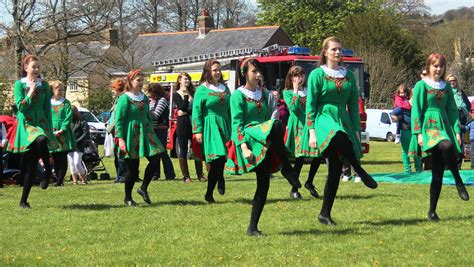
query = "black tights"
x=260 y=197
x=312 y=170
x=442 y=154
x=60 y=166
x=37 y=149
x=132 y=175
x=263 y=174
x=215 y=174
x=339 y=145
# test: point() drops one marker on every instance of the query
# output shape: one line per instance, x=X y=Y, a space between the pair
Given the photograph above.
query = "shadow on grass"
x=414 y=221
x=273 y=200
x=92 y=206
x=180 y=202
x=329 y=230
x=359 y=197
x=381 y=162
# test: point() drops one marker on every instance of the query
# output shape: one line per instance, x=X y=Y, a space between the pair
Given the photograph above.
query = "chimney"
x=205 y=24
x=111 y=35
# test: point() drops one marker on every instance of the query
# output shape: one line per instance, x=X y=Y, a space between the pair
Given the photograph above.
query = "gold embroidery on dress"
x=338 y=81
x=438 y=94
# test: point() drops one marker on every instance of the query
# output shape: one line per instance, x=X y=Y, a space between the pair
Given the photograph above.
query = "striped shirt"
x=158 y=111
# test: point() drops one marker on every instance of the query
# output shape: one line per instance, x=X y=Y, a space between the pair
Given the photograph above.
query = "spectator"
x=80 y=130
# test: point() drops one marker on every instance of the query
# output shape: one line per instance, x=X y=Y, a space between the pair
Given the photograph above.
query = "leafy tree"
x=309 y=22
x=393 y=53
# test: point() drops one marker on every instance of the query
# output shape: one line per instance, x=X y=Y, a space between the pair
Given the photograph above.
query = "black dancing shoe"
x=254 y=232
x=326 y=220
x=292 y=177
x=25 y=205
x=145 y=195
x=130 y=203
x=209 y=199
x=432 y=216
x=462 y=192
x=221 y=187
x=311 y=189
x=368 y=180
x=295 y=195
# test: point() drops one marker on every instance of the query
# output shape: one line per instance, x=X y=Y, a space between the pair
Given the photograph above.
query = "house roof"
x=86 y=56
x=148 y=48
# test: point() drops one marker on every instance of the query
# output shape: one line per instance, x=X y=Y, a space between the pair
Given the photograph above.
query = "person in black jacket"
x=80 y=130
x=182 y=100
x=159 y=112
x=464 y=107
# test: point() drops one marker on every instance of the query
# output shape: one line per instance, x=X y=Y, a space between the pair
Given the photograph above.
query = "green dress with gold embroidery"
x=435 y=115
x=61 y=120
x=211 y=117
x=332 y=106
x=296 y=128
x=251 y=124
x=34 y=116
x=133 y=124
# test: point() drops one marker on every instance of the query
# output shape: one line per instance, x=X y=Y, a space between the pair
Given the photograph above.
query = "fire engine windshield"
x=356 y=67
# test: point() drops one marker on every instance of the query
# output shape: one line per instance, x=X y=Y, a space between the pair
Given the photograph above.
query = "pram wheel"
x=92 y=176
x=104 y=176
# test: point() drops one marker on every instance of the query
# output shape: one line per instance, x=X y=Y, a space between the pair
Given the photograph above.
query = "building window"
x=73 y=86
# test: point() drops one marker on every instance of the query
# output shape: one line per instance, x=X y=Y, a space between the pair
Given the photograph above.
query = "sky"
x=438 y=7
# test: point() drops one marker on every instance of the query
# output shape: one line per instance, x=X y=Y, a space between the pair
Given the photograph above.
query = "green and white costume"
x=133 y=124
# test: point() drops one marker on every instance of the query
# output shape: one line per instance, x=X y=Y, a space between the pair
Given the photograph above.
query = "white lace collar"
x=340 y=73
x=220 y=88
x=435 y=85
x=254 y=95
x=303 y=93
x=55 y=102
x=38 y=81
x=134 y=97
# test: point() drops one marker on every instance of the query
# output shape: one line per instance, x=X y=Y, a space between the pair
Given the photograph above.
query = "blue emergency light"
x=297 y=50
x=347 y=52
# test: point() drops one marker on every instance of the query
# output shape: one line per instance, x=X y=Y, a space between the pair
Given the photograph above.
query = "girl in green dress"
x=295 y=97
x=257 y=140
x=61 y=119
x=135 y=136
x=211 y=124
x=34 y=130
x=333 y=120
x=435 y=128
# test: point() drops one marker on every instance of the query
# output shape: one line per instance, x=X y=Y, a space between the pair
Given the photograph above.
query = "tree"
x=392 y=53
x=309 y=22
x=455 y=40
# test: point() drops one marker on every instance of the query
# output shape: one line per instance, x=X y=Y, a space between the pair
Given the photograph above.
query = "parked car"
x=97 y=128
x=380 y=124
x=104 y=116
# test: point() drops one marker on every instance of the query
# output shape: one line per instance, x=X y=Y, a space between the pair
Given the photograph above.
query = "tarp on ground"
x=423 y=177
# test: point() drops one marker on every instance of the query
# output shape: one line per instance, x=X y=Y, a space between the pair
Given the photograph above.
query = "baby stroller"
x=93 y=162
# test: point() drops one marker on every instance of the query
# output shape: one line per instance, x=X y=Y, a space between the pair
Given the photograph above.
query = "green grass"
x=88 y=225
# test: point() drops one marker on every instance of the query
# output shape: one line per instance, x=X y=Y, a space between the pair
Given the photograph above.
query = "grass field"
x=89 y=225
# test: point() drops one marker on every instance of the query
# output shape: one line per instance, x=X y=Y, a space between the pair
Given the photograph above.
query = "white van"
x=97 y=128
x=380 y=124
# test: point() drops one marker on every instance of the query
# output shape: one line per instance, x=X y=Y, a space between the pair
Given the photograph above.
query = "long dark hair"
x=191 y=85
x=294 y=70
x=207 y=71
x=244 y=68
x=76 y=116
x=156 y=91
x=322 y=56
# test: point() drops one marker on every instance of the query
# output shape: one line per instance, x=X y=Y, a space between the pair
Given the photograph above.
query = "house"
x=89 y=65
x=189 y=50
